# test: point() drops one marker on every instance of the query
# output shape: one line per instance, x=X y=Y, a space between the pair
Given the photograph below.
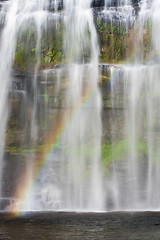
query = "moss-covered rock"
x=113 y=40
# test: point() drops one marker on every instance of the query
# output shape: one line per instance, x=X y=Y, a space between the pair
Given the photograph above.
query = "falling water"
x=70 y=176
x=76 y=182
x=121 y=10
x=135 y=183
x=58 y=108
x=17 y=16
x=84 y=101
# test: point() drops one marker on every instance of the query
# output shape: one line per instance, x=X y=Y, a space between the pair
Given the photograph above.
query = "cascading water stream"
x=17 y=16
x=6 y=50
x=119 y=10
x=85 y=128
x=138 y=84
x=79 y=184
x=60 y=106
x=66 y=173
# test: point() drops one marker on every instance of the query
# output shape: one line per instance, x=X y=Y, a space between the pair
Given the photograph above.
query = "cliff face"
x=95 y=4
x=117 y=43
x=98 y=3
x=113 y=3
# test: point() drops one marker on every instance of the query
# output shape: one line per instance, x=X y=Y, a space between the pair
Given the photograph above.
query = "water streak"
x=138 y=188
x=66 y=173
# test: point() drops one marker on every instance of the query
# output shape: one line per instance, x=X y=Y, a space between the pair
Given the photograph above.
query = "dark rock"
x=135 y=2
x=52 y=5
x=60 y=65
x=98 y=3
x=95 y=4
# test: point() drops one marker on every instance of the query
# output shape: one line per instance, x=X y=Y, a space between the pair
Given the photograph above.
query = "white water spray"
x=76 y=182
x=138 y=187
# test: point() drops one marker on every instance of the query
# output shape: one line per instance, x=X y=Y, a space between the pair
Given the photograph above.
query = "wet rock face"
x=98 y=3
x=95 y=4
x=52 y=5
x=113 y=3
x=135 y=2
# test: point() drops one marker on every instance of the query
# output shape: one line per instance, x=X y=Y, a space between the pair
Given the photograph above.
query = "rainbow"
x=25 y=187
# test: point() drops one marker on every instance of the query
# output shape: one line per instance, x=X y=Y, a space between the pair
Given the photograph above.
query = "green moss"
x=141 y=148
x=52 y=44
x=113 y=152
x=80 y=150
x=119 y=150
x=46 y=97
x=20 y=59
x=113 y=40
x=50 y=48
x=14 y=149
x=147 y=44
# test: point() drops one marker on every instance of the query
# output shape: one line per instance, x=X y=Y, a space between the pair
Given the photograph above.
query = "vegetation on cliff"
x=118 y=43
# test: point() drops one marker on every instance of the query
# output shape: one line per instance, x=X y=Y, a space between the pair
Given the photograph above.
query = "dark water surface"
x=62 y=225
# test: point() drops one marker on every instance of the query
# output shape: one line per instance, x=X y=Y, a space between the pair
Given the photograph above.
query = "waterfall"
x=138 y=186
x=119 y=10
x=85 y=127
x=77 y=179
x=17 y=15
x=65 y=172
x=55 y=108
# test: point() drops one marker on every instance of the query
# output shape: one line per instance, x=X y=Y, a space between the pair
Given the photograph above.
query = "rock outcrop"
x=95 y=4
